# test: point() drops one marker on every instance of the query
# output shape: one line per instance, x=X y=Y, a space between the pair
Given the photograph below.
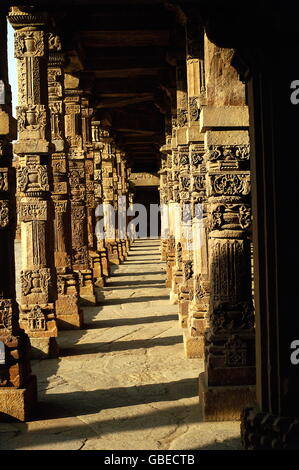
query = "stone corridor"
x=122 y=382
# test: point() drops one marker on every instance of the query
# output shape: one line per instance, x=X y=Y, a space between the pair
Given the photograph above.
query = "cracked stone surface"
x=123 y=381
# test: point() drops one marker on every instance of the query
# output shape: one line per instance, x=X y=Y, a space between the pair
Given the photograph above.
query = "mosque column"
x=228 y=381
x=68 y=312
x=98 y=147
x=34 y=181
x=18 y=392
x=109 y=200
x=77 y=180
x=198 y=290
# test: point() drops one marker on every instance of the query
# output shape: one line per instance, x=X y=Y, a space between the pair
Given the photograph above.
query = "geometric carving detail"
x=33 y=211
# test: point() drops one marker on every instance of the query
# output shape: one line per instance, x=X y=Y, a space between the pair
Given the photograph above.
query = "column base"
x=193 y=345
x=17 y=404
x=44 y=348
x=264 y=431
x=224 y=403
x=70 y=321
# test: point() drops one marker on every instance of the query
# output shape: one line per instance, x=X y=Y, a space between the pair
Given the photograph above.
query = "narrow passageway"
x=122 y=382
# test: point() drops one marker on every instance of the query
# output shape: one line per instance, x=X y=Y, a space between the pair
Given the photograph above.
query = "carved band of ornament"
x=230 y=184
x=3 y=180
x=4 y=214
x=199 y=183
x=185 y=183
x=60 y=206
x=54 y=42
x=231 y=317
x=266 y=431
x=188 y=270
x=235 y=352
x=33 y=211
x=196 y=158
x=229 y=152
x=184 y=159
x=29 y=43
x=55 y=107
x=78 y=212
x=182 y=117
x=33 y=178
x=194 y=110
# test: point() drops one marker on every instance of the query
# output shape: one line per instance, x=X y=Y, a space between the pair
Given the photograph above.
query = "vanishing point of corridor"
x=122 y=382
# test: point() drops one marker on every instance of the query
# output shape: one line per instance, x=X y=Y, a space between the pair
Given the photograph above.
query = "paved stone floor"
x=123 y=381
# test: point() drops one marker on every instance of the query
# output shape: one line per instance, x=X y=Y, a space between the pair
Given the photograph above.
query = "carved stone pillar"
x=77 y=180
x=172 y=194
x=68 y=312
x=98 y=191
x=196 y=291
x=34 y=182
x=94 y=255
x=17 y=385
x=180 y=176
x=123 y=186
x=227 y=383
x=164 y=206
x=108 y=178
x=186 y=286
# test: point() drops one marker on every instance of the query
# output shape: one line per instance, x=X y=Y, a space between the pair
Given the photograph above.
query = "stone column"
x=68 y=312
x=77 y=180
x=94 y=255
x=123 y=192
x=164 y=205
x=197 y=292
x=34 y=181
x=98 y=191
x=273 y=423
x=108 y=177
x=227 y=383
x=18 y=392
x=181 y=180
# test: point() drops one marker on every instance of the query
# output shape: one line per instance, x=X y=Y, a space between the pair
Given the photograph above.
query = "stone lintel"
x=213 y=117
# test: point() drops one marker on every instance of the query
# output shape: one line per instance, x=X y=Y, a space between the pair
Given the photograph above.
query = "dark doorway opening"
x=148 y=196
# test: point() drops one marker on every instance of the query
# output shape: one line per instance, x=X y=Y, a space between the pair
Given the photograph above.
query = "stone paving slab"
x=122 y=382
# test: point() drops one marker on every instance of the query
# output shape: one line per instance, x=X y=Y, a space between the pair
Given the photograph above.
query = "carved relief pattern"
x=4 y=214
x=29 y=43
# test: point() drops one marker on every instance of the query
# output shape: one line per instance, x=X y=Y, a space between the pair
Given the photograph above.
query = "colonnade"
x=64 y=172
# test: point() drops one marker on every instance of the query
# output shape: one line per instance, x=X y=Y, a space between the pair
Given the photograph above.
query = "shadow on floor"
x=104 y=347
x=79 y=403
x=129 y=321
x=135 y=283
x=130 y=300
